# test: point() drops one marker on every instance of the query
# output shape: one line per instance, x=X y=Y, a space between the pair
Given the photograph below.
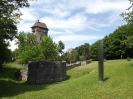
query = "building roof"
x=40 y=24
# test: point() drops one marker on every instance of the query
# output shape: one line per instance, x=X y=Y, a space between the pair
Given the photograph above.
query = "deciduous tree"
x=48 y=48
x=128 y=14
x=9 y=17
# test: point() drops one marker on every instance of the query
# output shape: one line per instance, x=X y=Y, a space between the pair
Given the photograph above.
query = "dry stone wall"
x=85 y=62
x=70 y=66
x=46 y=72
x=79 y=63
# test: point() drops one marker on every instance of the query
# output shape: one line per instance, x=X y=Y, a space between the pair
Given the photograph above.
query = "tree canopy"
x=48 y=48
x=128 y=14
x=116 y=44
x=60 y=47
x=79 y=53
x=9 y=17
x=31 y=50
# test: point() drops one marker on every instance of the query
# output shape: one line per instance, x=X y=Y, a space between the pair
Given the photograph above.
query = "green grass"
x=82 y=83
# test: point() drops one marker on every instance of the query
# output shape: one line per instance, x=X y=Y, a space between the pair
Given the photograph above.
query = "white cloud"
x=102 y=6
x=65 y=18
x=76 y=38
x=69 y=32
x=27 y=15
x=57 y=12
x=51 y=32
x=72 y=41
x=13 y=45
x=25 y=27
x=77 y=22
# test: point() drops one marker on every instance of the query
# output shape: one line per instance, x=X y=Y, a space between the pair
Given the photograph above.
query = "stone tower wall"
x=40 y=33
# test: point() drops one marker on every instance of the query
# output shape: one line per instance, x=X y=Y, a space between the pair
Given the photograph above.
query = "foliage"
x=83 y=50
x=30 y=53
x=9 y=17
x=26 y=39
x=5 y=53
x=115 y=44
x=68 y=57
x=48 y=48
x=82 y=58
x=15 y=54
x=31 y=50
x=27 y=47
x=94 y=51
x=74 y=55
x=60 y=47
x=128 y=14
x=79 y=53
x=119 y=43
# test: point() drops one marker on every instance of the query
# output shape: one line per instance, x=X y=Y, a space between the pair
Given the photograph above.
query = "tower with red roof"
x=40 y=30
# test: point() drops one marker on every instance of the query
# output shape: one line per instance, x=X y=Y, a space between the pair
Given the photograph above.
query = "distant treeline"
x=118 y=43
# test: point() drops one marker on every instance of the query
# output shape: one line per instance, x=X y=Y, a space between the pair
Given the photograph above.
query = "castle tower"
x=40 y=30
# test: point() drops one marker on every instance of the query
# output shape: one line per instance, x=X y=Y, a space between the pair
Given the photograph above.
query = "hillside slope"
x=81 y=83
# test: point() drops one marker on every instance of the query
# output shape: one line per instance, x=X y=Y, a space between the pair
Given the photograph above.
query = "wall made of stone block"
x=46 y=72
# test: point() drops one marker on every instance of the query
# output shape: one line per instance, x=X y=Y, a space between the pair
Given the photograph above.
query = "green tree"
x=128 y=42
x=48 y=48
x=86 y=51
x=74 y=55
x=116 y=44
x=15 y=54
x=60 y=47
x=94 y=51
x=128 y=14
x=83 y=51
x=31 y=50
x=9 y=17
x=5 y=53
x=26 y=39
x=27 y=47
x=68 y=57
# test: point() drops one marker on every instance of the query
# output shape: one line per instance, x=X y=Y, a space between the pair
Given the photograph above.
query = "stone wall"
x=85 y=62
x=79 y=63
x=70 y=66
x=40 y=33
x=46 y=72
x=24 y=72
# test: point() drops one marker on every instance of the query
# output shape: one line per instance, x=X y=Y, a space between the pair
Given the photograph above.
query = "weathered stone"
x=85 y=62
x=46 y=72
x=70 y=66
x=79 y=63
x=24 y=72
x=21 y=74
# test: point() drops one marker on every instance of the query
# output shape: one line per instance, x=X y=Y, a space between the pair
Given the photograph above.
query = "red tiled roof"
x=40 y=24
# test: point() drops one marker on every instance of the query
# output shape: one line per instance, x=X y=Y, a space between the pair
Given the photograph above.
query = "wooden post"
x=100 y=61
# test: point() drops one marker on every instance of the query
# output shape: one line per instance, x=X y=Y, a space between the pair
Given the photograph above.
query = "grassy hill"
x=81 y=83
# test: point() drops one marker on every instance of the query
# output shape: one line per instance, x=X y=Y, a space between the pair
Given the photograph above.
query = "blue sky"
x=74 y=22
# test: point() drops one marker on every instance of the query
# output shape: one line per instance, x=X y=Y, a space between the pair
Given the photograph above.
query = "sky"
x=74 y=22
